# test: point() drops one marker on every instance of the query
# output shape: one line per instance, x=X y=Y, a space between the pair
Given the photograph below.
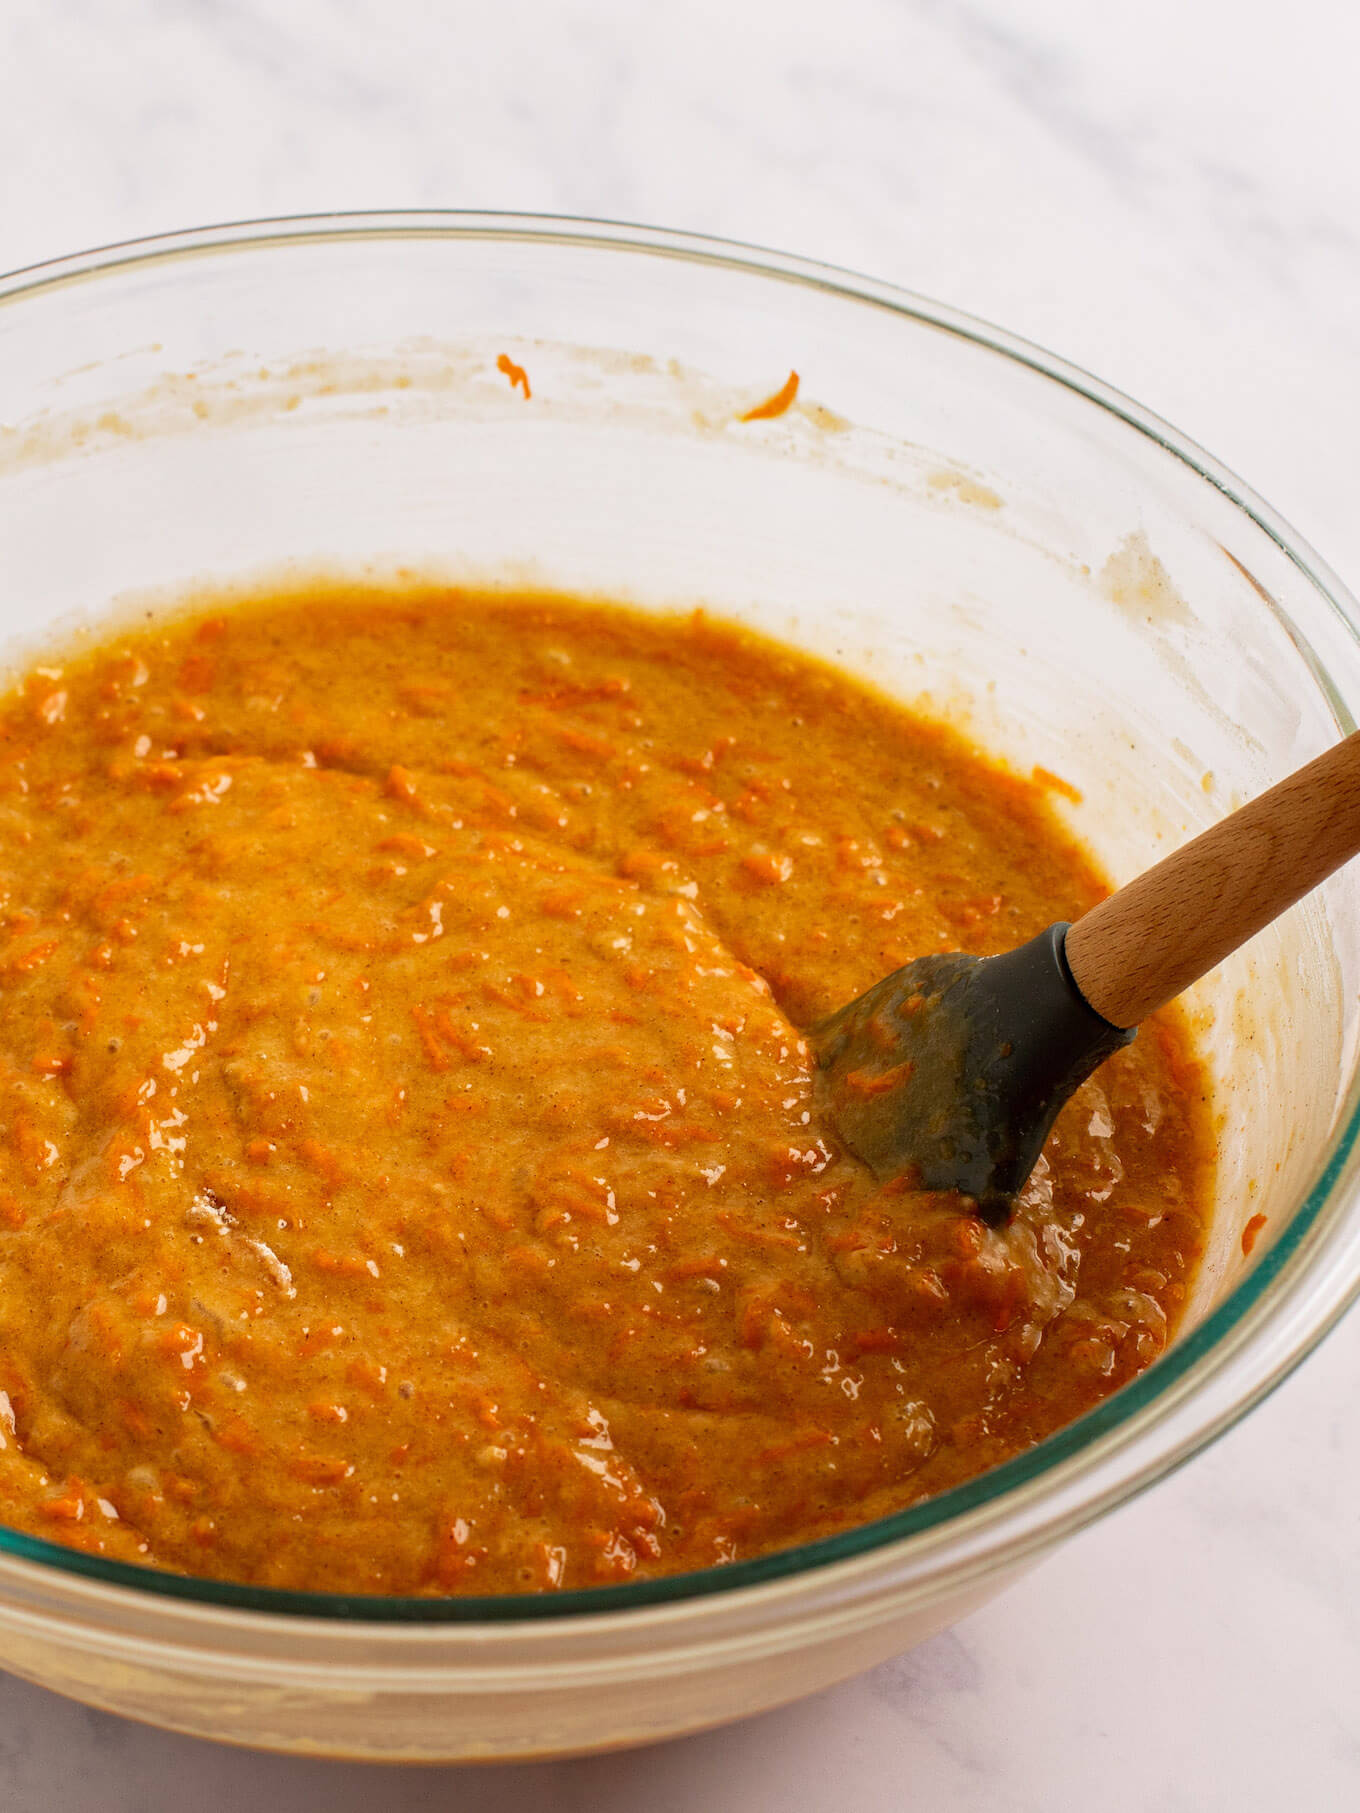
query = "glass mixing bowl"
x=969 y=521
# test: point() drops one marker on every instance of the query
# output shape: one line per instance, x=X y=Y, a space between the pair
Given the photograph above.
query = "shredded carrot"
x=1045 y=777
x=775 y=405
x=877 y=1082
x=767 y=866
x=516 y=374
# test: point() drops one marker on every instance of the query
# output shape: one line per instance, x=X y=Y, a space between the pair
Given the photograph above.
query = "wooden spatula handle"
x=1142 y=946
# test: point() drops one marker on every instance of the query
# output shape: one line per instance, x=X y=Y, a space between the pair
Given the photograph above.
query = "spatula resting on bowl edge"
x=953 y=1069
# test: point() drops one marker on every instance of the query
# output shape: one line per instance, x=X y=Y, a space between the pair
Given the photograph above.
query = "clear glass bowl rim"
x=1120 y=1412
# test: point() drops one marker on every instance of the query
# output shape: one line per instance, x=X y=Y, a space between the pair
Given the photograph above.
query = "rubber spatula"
x=952 y=1070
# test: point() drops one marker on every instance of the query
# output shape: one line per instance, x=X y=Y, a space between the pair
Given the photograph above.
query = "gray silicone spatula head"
x=952 y=1070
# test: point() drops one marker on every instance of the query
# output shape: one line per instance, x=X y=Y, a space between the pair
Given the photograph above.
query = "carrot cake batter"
x=410 y=1180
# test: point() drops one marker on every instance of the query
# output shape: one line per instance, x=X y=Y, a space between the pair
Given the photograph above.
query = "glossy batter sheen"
x=409 y=1174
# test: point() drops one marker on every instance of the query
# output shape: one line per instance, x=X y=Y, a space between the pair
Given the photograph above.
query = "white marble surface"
x=1168 y=193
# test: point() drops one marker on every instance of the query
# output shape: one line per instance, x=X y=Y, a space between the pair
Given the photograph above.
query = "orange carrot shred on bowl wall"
x=516 y=374
x=1045 y=777
x=775 y=405
x=1251 y=1233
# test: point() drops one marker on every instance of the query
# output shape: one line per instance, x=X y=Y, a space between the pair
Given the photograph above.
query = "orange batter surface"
x=409 y=1174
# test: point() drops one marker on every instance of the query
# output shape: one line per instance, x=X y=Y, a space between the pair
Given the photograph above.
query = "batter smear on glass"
x=410 y=1179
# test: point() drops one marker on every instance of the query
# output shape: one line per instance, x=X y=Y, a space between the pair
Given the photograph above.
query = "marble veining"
x=1170 y=195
